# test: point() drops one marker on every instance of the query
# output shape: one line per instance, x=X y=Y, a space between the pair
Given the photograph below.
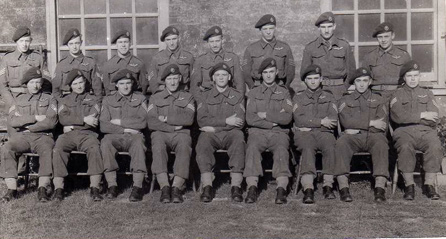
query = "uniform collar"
x=120 y=97
x=77 y=97
x=80 y=58
x=407 y=88
x=18 y=54
x=36 y=96
x=165 y=94
x=390 y=50
x=215 y=92
x=264 y=42
x=272 y=88
x=125 y=59
x=176 y=53
x=313 y=94
x=214 y=56
x=365 y=95
x=333 y=41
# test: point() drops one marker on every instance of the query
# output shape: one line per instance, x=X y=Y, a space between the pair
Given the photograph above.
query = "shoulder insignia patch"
x=338 y=47
x=17 y=114
x=96 y=107
x=341 y=107
x=180 y=98
x=396 y=57
x=11 y=109
x=87 y=99
x=244 y=62
x=335 y=108
x=278 y=48
x=85 y=64
x=132 y=100
x=295 y=107
x=150 y=107
x=60 y=109
x=242 y=107
x=191 y=106
x=289 y=102
x=435 y=103
x=371 y=100
x=149 y=77
x=278 y=92
x=133 y=65
x=393 y=101
x=53 y=107
x=183 y=57
x=227 y=59
x=422 y=96
x=144 y=106
x=322 y=97
x=2 y=71
x=199 y=106
x=231 y=96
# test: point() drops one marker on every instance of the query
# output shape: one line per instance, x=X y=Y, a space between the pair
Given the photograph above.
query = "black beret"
x=72 y=75
x=119 y=34
x=382 y=28
x=72 y=33
x=220 y=66
x=170 y=30
x=123 y=74
x=311 y=69
x=409 y=66
x=172 y=69
x=32 y=73
x=267 y=63
x=325 y=17
x=213 y=31
x=361 y=71
x=266 y=19
x=21 y=32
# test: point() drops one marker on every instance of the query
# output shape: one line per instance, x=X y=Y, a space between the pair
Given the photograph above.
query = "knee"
x=106 y=141
x=405 y=147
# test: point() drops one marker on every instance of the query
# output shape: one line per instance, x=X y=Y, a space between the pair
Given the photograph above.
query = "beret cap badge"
x=317 y=70
x=217 y=31
x=271 y=19
x=128 y=75
x=386 y=28
x=415 y=66
x=38 y=71
x=364 y=71
x=172 y=70
x=330 y=19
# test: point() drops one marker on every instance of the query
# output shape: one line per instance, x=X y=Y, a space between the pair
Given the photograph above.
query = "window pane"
x=422 y=26
x=120 y=6
x=368 y=4
x=345 y=27
x=69 y=7
x=94 y=6
x=147 y=30
x=100 y=56
x=146 y=6
x=367 y=22
x=118 y=24
x=95 y=32
x=65 y=25
x=421 y=4
x=340 y=5
x=364 y=50
x=395 y=4
x=399 y=23
x=425 y=56
x=146 y=55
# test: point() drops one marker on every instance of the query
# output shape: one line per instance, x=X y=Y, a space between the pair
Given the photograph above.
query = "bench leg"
x=152 y=184
x=297 y=181
x=395 y=178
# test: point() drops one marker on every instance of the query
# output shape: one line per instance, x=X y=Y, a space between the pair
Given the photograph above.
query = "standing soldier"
x=124 y=59
x=415 y=112
x=315 y=119
x=75 y=60
x=385 y=61
x=332 y=54
x=221 y=117
x=171 y=113
x=200 y=79
x=31 y=120
x=269 y=113
x=173 y=54
x=264 y=48
x=78 y=114
x=122 y=120
x=363 y=115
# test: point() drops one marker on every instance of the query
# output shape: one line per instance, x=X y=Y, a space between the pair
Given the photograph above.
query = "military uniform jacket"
x=14 y=65
x=184 y=60
x=131 y=110
x=203 y=65
x=385 y=65
x=407 y=104
x=357 y=110
x=178 y=107
x=260 y=50
x=21 y=117
x=214 y=107
x=335 y=57
x=276 y=102
x=73 y=108
x=84 y=63
x=311 y=107
x=132 y=63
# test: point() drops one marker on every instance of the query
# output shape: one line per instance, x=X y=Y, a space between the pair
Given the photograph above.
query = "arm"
x=105 y=125
x=252 y=118
x=238 y=81
x=49 y=122
x=144 y=83
x=306 y=60
x=96 y=79
x=153 y=121
x=283 y=115
x=399 y=114
x=4 y=87
x=246 y=68
x=138 y=121
x=350 y=65
x=196 y=77
x=70 y=116
x=56 y=82
x=182 y=116
x=16 y=120
x=153 y=76
x=290 y=67
x=303 y=120
x=350 y=119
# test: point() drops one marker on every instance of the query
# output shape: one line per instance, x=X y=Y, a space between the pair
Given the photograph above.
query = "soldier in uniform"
x=332 y=54
x=200 y=79
x=171 y=112
x=78 y=114
x=31 y=119
x=75 y=60
x=363 y=115
x=269 y=113
x=315 y=119
x=415 y=112
x=124 y=59
x=385 y=61
x=122 y=120
x=221 y=117
x=264 y=48
x=173 y=54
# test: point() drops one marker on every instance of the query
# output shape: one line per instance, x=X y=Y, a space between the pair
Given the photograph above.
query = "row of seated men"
x=221 y=115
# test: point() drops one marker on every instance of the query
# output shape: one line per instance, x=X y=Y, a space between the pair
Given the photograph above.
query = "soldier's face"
x=313 y=81
x=221 y=78
x=173 y=82
x=123 y=46
x=215 y=43
x=385 y=39
x=34 y=85
x=362 y=83
x=269 y=75
x=24 y=43
x=172 y=42
x=327 y=30
x=268 y=31
x=124 y=86
x=412 y=78
x=78 y=85
x=74 y=45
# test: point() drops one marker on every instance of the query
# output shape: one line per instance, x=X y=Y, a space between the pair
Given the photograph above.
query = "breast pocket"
x=257 y=58
x=14 y=74
x=338 y=59
x=184 y=65
x=42 y=106
x=206 y=79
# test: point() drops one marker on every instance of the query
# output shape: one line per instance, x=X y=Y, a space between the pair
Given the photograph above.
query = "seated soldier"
x=123 y=117
x=415 y=113
x=315 y=118
x=171 y=113
x=269 y=113
x=31 y=120
x=78 y=114
x=221 y=117
x=363 y=115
